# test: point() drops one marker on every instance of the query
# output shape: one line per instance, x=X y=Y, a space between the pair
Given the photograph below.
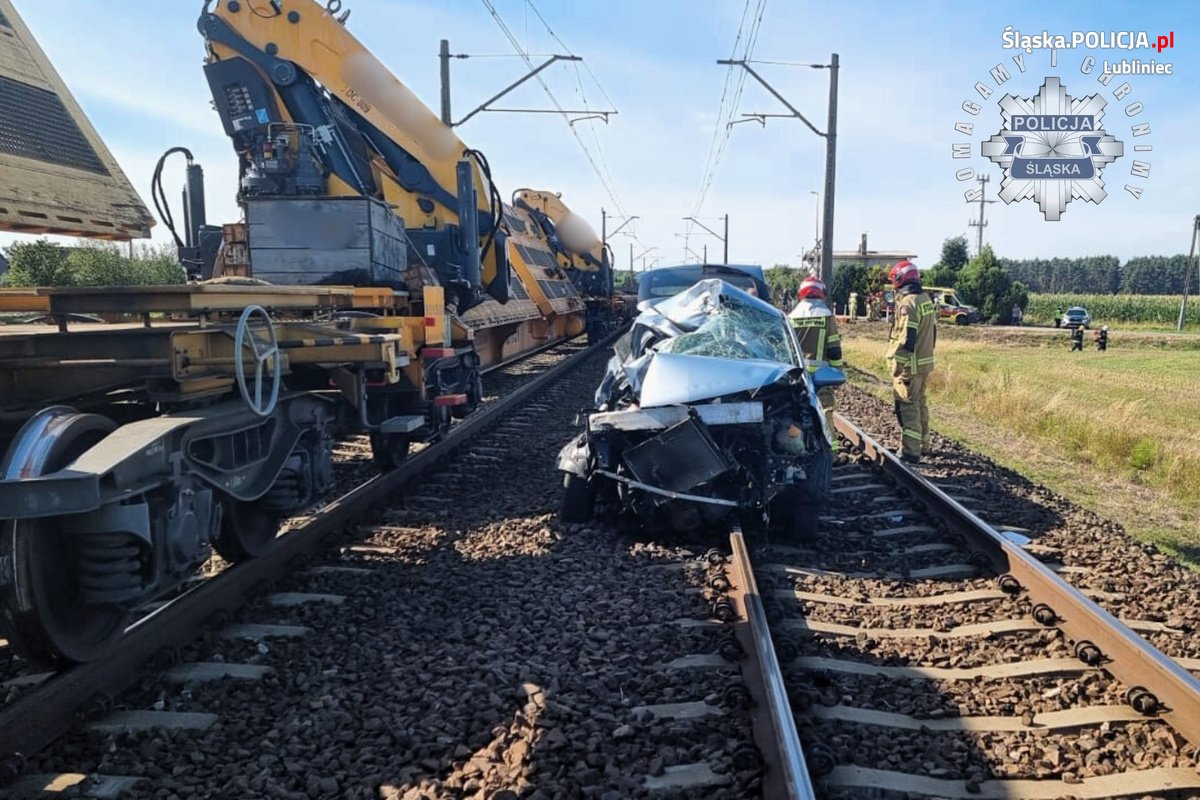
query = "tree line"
x=981 y=281
x=42 y=263
x=996 y=284
x=1102 y=274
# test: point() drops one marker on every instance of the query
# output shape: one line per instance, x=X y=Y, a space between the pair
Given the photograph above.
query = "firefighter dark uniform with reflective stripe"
x=910 y=356
x=816 y=329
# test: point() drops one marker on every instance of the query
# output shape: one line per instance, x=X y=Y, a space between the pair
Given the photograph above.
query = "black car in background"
x=664 y=282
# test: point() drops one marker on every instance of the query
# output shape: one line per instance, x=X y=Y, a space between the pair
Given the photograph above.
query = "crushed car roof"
x=708 y=341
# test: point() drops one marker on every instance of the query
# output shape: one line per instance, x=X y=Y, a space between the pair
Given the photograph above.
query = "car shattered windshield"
x=735 y=331
x=721 y=321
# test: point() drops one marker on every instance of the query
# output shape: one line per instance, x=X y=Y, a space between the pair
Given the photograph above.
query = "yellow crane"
x=375 y=273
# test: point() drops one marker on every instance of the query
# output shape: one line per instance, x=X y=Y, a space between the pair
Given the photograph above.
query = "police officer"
x=1058 y=314
x=820 y=341
x=910 y=356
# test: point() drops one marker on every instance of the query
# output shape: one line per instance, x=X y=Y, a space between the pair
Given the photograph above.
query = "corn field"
x=1115 y=309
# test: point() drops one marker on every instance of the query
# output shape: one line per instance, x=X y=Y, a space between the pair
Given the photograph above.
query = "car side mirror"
x=825 y=377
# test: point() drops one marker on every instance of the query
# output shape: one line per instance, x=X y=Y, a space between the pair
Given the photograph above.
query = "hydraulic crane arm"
x=572 y=231
x=287 y=71
x=573 y=239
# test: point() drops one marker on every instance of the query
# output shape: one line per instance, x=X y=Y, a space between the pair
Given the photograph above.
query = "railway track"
x=454 y=640
x=923 y=652
x=38 y=707
x=353 y=466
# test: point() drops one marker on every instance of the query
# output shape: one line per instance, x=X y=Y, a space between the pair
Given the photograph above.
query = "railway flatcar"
x=375 y=273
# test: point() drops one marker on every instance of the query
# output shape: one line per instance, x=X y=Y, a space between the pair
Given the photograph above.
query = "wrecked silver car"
x=706 y=409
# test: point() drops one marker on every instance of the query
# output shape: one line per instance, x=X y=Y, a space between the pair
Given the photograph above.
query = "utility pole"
x=444 y=55
x=723 y=239
x=604 y=234
x=981 y=223
x=706 y=253
x=830 y=137
x=1187 y=273
x=642 y=256
x=604 y=248
x=830 y=173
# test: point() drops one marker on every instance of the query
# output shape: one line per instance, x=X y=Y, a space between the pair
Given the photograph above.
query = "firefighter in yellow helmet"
x=816 y=329
x=910 y=356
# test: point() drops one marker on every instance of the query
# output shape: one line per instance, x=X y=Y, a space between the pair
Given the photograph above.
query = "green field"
x=1151 y=310
x=1118 y=432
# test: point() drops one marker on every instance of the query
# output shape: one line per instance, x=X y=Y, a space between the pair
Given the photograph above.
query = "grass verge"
x=1116 y=432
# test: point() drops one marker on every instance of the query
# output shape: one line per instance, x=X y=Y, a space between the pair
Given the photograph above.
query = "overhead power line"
x=530 y=5
x=729 y=105
x=601 y=173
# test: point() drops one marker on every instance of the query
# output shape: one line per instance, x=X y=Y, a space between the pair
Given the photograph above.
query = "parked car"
x=949 y=307
x=706 y=409
x=1077 y=317
x=658 y=284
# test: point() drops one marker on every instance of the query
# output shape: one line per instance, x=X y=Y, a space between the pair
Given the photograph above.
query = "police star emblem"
x=1052 y=149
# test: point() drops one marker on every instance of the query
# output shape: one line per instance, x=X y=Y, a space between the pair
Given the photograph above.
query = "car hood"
x=672 y=379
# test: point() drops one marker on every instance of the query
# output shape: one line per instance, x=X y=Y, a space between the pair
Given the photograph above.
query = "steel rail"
x=776 y=733
x=1100 y=639
x=537 y=351
x=42 y=715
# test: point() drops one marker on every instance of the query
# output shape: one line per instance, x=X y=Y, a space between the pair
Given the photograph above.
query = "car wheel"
x=961 y=319
x=578 y=500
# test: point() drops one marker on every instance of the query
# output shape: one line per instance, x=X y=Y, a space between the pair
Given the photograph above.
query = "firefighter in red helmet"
x=819 y=339
x=910 y=356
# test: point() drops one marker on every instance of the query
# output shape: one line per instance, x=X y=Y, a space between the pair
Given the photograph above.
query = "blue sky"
x=136 y=68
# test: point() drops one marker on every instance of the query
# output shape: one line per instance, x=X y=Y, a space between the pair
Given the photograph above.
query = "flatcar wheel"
x=48 y=623
x=474 y=393
x=43 y=614
x=246 y=532
x=389 y=450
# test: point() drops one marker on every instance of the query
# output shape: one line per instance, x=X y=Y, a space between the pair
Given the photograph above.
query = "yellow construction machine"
x=375 y=274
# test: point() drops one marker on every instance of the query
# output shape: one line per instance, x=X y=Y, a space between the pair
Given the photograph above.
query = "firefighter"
x=820 y=341
x=1102 y=339
x=1077 y=338
x=910 y=356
